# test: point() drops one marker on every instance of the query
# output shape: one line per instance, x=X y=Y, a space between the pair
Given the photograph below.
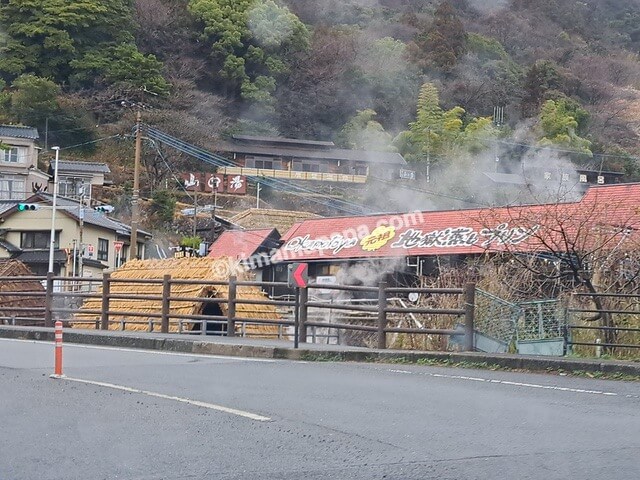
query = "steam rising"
x=488 y=6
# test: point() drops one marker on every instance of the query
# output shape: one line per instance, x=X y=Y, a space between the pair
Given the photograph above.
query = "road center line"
x=197 y=403
x=506 y=382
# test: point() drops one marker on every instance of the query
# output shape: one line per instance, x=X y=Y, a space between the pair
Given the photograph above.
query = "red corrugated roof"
x=524 y=229
x=241 y=244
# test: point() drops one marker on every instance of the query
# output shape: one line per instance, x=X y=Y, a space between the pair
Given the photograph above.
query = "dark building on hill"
x=294 y=159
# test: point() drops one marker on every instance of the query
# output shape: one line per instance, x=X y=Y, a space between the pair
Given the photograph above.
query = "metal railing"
x=621 y=334
x=155 y=308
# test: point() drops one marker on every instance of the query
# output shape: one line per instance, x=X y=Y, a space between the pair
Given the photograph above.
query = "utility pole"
x=135 y=207
x=258 y=194
x=195 y=213
x=80 y=235
x=213 y=213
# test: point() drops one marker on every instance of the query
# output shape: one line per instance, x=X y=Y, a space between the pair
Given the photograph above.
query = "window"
x=37 y=240
x=9 y=155
x=264 y=163
x=74 y=188
x=310 y=167
x=12 y=189
x=103 y=249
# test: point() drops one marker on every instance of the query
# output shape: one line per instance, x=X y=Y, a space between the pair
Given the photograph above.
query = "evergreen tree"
x=445 y=39
x=57 y=39
x=252 y=41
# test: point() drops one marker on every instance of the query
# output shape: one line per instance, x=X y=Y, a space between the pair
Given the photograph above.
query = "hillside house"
x=19 y=174
x=80 y=180
x=294 y=159
x=25 y=235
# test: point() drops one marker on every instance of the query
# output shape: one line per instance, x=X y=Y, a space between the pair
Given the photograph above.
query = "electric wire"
x=276 y=184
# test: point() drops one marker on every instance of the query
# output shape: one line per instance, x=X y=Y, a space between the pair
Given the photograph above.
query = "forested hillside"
x=417 y=76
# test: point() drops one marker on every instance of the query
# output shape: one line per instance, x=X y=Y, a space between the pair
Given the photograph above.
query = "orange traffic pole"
x=58 y=356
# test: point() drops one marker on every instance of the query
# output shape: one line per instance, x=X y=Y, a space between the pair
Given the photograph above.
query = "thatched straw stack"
x=205 y=268
x=17 y=269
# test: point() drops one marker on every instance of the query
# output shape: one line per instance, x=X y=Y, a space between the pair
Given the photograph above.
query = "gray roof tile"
x=19 y=131
x=66 y=166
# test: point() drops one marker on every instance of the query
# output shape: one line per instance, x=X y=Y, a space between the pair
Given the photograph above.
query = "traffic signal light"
x=22 y=207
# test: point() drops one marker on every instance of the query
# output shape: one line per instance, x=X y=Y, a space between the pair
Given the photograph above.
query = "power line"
x=92 y=141
x=277 y=184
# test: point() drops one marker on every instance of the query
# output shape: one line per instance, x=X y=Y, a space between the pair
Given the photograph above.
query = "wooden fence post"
x=106 y=291
x=304 y=311
x=231 y=307
x=166 y=293
x=382 y=314
x=469 y=313
x=48 y=301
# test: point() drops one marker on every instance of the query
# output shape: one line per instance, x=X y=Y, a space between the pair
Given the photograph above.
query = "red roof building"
x=464 y=232
x=244 y=244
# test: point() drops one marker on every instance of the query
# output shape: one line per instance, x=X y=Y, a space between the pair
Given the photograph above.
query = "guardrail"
x=64 y=302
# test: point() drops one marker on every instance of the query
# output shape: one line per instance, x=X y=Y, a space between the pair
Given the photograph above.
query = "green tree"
x=33 y=99
x=541 y=78
x=363 y=132
x=121 y=65
x=60 y=39
x=252 y=41
x=445 y=39
x=163 y=204
x=442 y=134
x=559 y=125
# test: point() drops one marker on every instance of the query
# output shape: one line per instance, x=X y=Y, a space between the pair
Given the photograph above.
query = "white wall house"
x=19 y=174
x=87 y=242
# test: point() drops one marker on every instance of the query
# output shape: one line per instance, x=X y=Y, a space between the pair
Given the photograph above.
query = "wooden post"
x=304 y=311
x=106 y=291
x=48 y=301
x=166 y=293
x=469 y=312
x=231 y=307
x=382 y=314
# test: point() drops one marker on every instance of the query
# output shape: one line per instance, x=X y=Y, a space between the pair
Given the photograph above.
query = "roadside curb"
x=197 y=345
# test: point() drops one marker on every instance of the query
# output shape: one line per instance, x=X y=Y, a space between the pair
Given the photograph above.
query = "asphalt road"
x=123 y=414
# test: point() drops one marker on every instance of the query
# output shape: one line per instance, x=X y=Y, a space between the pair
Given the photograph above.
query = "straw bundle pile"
x=17 y=269
x=205 y=268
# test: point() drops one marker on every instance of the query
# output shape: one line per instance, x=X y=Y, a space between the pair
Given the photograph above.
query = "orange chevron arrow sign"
x=298 y=275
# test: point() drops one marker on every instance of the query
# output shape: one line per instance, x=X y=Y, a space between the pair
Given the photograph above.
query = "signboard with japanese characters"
x=236 y=184
x=192 y=181
x=210 y=182
x=214 y=183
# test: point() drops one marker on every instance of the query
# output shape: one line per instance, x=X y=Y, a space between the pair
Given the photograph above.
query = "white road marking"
x=197 y=403
x=140 y=350
x=506 y=382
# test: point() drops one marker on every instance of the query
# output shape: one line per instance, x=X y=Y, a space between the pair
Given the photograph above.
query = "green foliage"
x=439 y=133
x=44 y=36
x=122 y=65
x=163 y=204
x=485 y=47
x=33 y=99
x=541 y=78
x=190 y=242
x=445 y=39
x=252 y=41
x=362 y=132
x=559 y=125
